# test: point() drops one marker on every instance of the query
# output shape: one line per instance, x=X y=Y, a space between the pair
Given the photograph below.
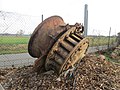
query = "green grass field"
x=99 y=41
x=14 y=39
x=19 y=44
x=13 y=44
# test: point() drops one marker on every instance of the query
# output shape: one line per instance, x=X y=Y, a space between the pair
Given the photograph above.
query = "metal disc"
x=41 y=39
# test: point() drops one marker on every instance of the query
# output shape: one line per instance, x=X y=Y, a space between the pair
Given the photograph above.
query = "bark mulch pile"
x=93 y=73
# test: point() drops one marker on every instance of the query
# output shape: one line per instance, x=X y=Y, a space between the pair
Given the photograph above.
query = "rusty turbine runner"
x=58 y=46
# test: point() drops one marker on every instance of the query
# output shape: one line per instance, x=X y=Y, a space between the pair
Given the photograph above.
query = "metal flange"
x=41 y=39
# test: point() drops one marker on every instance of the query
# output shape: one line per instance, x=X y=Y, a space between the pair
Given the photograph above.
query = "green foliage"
x=13 y=48
x=107 y=54
x=13 y=44
x=19 y=44
x=14 y=39
x=99 y=41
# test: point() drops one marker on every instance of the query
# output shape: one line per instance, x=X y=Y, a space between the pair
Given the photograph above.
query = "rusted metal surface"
x=58 y=46
x=68 y=50
x=43 y=37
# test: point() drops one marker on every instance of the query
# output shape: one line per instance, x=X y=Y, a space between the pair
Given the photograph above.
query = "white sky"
x=102 y=14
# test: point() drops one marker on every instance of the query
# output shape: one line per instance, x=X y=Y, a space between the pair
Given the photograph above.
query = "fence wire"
x=15 y=31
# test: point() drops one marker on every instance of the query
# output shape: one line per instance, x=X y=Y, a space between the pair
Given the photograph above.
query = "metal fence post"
x=118 y=39
x=109 y=38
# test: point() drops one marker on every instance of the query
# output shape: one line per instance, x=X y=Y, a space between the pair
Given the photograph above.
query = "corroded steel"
x=43 y=36
x=68 y=50
x=58 y=46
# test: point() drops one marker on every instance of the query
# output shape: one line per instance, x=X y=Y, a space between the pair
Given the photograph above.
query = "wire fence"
x=14 y=53
x=15 y=60
x=15 y=32
x=102 y=40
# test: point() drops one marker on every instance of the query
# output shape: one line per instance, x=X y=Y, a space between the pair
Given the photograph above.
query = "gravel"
x=92 y=73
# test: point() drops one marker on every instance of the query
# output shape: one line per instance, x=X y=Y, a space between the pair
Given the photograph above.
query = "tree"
x=20 y=32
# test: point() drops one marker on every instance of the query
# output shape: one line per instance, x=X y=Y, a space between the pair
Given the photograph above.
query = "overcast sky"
x=102 y=14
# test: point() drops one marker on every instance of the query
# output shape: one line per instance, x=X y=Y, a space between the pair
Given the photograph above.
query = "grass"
x=19 y=44
x=14 y=39
x=13 y=44
x=107 y=54
x=13 y=48
x=99 y=41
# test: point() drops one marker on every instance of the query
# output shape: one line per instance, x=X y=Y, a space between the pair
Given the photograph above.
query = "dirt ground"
x=93 y=73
